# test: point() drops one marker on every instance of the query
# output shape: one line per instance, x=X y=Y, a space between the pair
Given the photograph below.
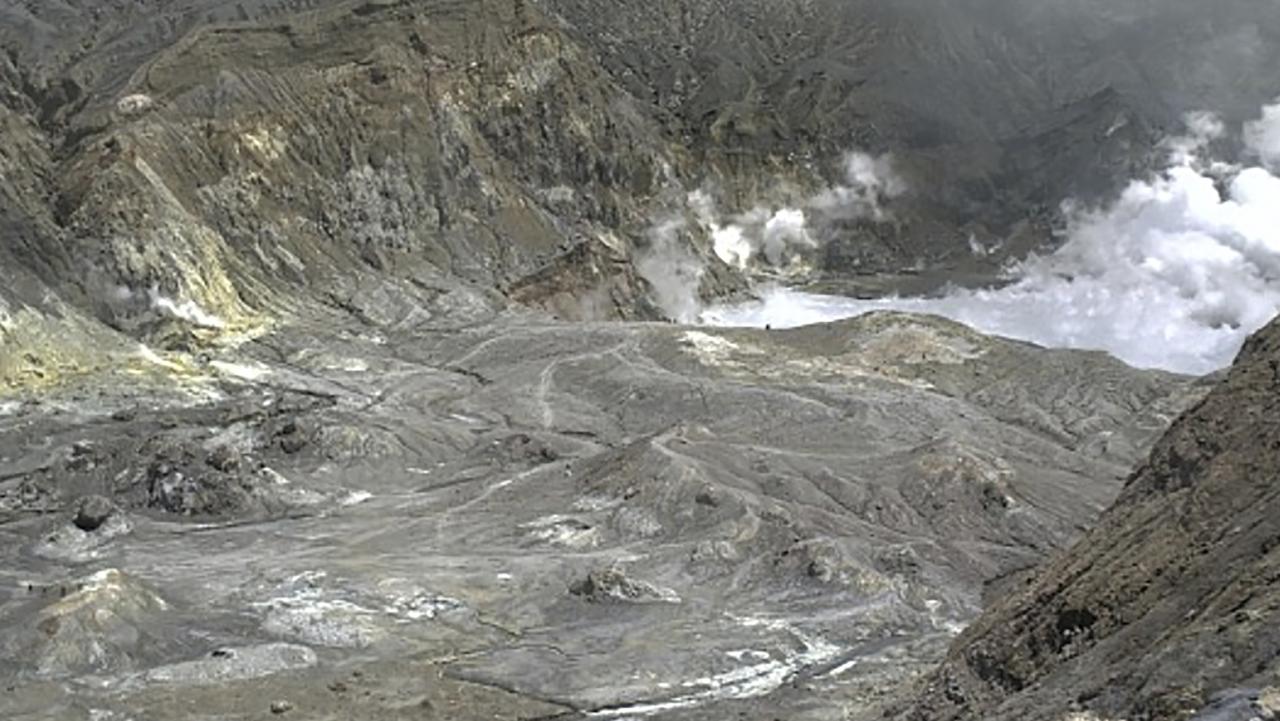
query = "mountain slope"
x=995 y=110
x=195 y=171
x=245 y=159
x=1172 y=600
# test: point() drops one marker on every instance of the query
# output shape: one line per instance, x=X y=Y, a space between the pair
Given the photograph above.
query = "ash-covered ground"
x=529 y=518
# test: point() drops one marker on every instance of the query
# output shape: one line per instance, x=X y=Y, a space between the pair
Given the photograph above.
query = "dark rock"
x=225 y=459
x=614 y=585
x=525 y=449
x=292 y=438
x=1180 y=570
x=81 y=457
x=281 y=707
x=92 y=512
x=204 y=494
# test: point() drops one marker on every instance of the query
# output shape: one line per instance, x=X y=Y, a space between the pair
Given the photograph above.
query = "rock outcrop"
x=1170 y=605
x=233 y=169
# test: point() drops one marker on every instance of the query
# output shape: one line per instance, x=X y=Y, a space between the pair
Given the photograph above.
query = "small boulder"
x=613 y=585
x=292 y=438
x=225 y=459
x=707 y=497
x=92 y=512
x=134 y=104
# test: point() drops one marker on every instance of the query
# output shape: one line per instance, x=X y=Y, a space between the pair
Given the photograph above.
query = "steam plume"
x=1175 y=274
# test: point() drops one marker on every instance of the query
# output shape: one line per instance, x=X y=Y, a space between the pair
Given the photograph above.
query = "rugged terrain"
x=239 y=163
x=232 y=169
x=995 y=110
x=335 y=380
x=582 y=517
x=1169 y=607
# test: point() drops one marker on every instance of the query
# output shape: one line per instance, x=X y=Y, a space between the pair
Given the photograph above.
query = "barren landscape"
x=443 y=359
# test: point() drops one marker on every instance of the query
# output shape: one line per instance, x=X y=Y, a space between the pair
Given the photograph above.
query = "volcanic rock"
x=92 y=512
x=1169 y=605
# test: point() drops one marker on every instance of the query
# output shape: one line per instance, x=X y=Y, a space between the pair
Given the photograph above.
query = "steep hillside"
x=996 y=110
x=230 y=170
x=233 y=164
x=1171 y=605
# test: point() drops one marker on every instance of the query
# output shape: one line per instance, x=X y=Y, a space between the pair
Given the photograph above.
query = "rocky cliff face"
x=233 y=164
x=995 y=110
x=223 y=169
x=1167 y=609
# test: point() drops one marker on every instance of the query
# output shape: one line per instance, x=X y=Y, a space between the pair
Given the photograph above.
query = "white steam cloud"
x=779 y=240
x=870 y=182
x=673 y=271
x=782 y=237
x=1263 y=136
x=1175 y=275
x=186 y=310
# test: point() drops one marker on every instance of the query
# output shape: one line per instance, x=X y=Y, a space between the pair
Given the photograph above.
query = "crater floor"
x=525 y=519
